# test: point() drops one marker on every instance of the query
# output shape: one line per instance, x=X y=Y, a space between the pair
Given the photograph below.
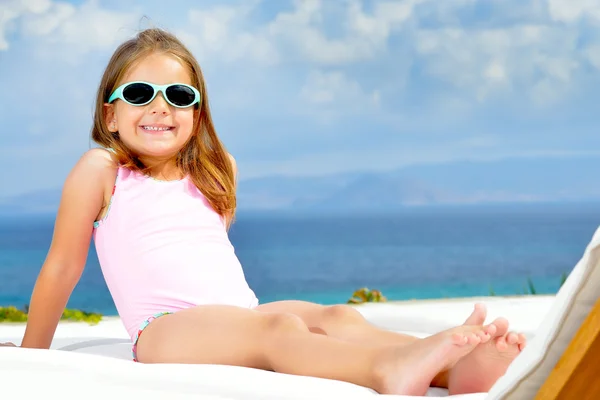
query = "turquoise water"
x=516 y=286
x=418 y=253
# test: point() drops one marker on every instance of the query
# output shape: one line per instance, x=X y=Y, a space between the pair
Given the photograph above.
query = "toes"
x=522 y=346
x=501 y=325
x=491 y=329
x=463 y=338
x=501 y=344
x=522 y=338
x=512 y=338
x=483 y=336
x=478 y=315
x=522 y=341
x=473 y=338
x=459 y=339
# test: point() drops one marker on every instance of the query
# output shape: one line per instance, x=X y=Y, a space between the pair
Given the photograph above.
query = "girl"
x=158 y=204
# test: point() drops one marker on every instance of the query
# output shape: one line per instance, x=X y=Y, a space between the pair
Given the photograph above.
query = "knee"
x=283 y=322
x=341 y=313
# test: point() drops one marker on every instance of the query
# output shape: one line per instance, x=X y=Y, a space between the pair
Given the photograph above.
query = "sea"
x=412 y=253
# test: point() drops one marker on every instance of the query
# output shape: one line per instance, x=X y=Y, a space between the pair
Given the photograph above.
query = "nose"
x=159 y=105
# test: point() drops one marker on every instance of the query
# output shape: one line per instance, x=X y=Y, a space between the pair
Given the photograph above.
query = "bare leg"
x=339 y=321
x=346 y=323
x=282 y=342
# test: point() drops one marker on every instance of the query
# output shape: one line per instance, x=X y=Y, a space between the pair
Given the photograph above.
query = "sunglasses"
x=140 y=93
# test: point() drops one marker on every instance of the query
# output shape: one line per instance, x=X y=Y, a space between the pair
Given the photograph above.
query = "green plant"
x=530 y=286
x=365 y=295
x=563 y=278
x=79 y=315
x=13 y=314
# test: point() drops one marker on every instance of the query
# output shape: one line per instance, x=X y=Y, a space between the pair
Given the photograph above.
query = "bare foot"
x=480 y=369
x=408 y=370
x=8 y=344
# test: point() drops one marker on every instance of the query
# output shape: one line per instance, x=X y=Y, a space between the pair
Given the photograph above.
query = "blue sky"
x=314 y=87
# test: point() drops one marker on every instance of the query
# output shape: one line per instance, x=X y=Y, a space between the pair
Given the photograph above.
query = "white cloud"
x=301 y=34
x=224 y=31
x=327 y=95
x=363 y=37
x=572 y=10
x=73 y=30
x=495 y=71
x=486 y=61
x=12 y=10
x=302 y=30
x=387 y=15
x=324 y=88
x=592 y=54
x=48 y=21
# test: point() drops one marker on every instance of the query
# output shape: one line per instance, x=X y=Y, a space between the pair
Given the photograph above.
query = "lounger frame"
x=575 y=375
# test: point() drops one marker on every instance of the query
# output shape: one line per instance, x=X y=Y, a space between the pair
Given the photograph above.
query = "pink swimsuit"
x=162 y=248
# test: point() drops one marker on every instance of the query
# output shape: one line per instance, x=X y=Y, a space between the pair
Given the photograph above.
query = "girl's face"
x=157 y=130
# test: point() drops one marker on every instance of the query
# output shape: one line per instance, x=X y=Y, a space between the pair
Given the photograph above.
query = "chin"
x=158 y=151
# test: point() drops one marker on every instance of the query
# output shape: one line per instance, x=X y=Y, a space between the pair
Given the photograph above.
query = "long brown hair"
x=204 y=158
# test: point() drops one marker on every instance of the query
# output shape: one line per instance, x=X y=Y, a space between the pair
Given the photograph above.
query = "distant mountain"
x=508 y=180
x=377 y=191
x=503 y=181
x=276 y=192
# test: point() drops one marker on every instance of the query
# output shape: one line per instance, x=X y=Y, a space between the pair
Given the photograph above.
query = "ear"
x=110 y=118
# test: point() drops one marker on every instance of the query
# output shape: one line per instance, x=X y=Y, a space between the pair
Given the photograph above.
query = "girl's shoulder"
x=85 y=192
x=102 y=161
x=98 y=164
x=100 y=153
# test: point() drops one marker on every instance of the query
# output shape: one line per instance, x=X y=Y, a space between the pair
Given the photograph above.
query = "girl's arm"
x=83 y=197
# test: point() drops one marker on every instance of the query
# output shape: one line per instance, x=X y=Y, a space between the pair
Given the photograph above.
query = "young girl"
x=158 y=199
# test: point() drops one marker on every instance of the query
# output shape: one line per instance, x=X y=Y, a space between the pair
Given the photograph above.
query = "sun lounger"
x=560 y=361
x=566 y=348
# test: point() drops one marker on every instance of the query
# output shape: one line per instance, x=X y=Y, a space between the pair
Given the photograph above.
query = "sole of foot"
x=409 y=370
x=477 y=371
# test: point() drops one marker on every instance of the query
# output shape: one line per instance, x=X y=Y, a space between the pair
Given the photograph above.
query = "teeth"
x=156 y=128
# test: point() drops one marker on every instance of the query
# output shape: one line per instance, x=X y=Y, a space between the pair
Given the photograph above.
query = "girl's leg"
x=346 y=323
x=282 y=342
x=339 y=321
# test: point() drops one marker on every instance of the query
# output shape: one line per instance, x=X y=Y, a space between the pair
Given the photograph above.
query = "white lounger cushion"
x=73 y=375
x=104 y=359
x=572 y=305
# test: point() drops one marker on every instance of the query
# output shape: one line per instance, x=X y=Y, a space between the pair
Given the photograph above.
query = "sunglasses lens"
x=138 y=93
x=180 y=95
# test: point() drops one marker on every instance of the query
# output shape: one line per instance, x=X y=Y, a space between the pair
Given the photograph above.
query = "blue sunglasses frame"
x=118 y=93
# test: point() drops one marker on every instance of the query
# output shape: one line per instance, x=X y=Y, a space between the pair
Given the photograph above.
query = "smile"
x=155 y=128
